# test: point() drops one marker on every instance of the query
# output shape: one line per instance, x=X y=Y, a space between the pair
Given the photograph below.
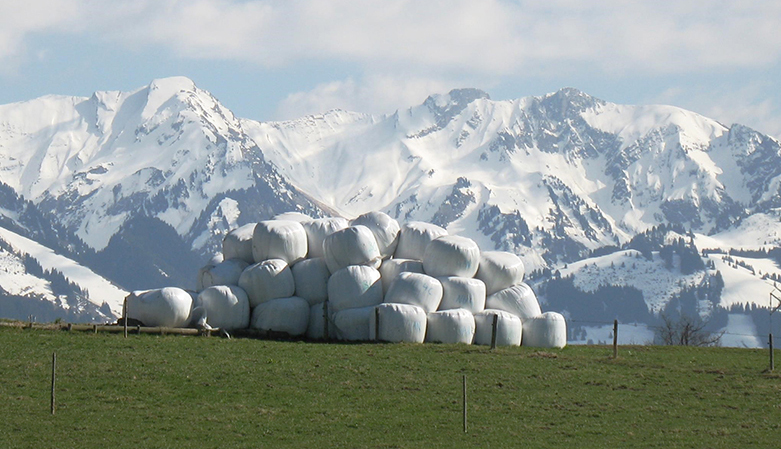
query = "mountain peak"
x=172 y=85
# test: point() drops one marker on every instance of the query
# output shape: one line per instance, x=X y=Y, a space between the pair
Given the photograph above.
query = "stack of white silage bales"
x=365 y=279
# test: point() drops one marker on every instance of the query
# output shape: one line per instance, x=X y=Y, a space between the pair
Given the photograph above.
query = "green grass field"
x=173 y=391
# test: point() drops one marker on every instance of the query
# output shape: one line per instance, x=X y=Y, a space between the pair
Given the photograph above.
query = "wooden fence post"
x=493 y=331
x=770 y=343
x=325 y=320
x=54 y=377
x=464 y=394
x=376 y=324
x=124 y=317
x=615 y=339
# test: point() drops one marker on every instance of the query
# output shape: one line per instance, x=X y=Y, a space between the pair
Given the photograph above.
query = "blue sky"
x=279 y=59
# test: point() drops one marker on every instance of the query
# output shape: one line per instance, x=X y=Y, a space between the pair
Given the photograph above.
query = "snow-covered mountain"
x=141 y=186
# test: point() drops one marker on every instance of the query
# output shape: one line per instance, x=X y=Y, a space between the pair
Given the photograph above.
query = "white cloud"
x=478 y=37
x=378 y=94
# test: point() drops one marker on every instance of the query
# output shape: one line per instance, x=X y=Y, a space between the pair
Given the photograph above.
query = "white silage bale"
x=292 y=216
x=415 y=289
x=315 y=330
x=354 y=286
x=311 y=279
x=462 y=293
x=237 y=244
x=354 y=245
x=414 y=237
x=279 y=239
x=399 y=323
x=519 y=300
x=509 y=328
x=267 y=280
x=214 y=261
x=450 y=326
x=226 y=272
x=391 y=268
x=317 y=230
x=164 y=307
x=288 y=315
x=499 y=270
x=353 y=324
x=385 y=230
x=226 y=306
x=548 y=330
x=451 y=255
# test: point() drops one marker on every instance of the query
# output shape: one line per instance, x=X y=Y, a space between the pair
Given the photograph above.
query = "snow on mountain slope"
x=569 y=171
x=17 y=282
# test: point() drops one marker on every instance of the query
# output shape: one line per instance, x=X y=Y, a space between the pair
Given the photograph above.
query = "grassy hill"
x=173 y=391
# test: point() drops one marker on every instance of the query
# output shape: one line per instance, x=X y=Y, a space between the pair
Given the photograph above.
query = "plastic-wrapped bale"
x=279 y=239
x=267 y=280
x=316 y=328
x=519 y=300
x=288 y=315
x=399 y=323
x=164 y=307
x=385 y=230
x=353 y=324
x=311 y=279
x=415 y=289
x=450 y=326
x=237 y=244
x=451 y=255
x=354 y=245
x=509 y=328
x=226 y=272
x=292 y=216
x=354 y=286
x=226 y=306
x=462 y=293
x=500 y=270
x=548 y=330
x=391 y=268
x=414 y=237
x=317 y=230
x=213 y=262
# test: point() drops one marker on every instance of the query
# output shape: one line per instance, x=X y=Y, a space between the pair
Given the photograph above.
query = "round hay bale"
x=450 y=326
x=509 y=328
x=352 y=287
x=226 y=306
x=391 y=268
x=500 y=270
x=354 y=245
x=164 y=307
x=237 y=244
x=316 y=327
x=399 y=323
x=226 y=272
x=267 y=280
x=414 y=237
x=279 y=239
x=287 y=315
x=317 y=230
x=519 y=300
x=311 y=279
x=415 y=289
x=353 y=324
x=462 y=293
x=385 y=230
x=451 y=255
x=548 y=330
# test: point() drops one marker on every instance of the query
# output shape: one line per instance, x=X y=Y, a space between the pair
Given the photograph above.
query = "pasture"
x=151 y=391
